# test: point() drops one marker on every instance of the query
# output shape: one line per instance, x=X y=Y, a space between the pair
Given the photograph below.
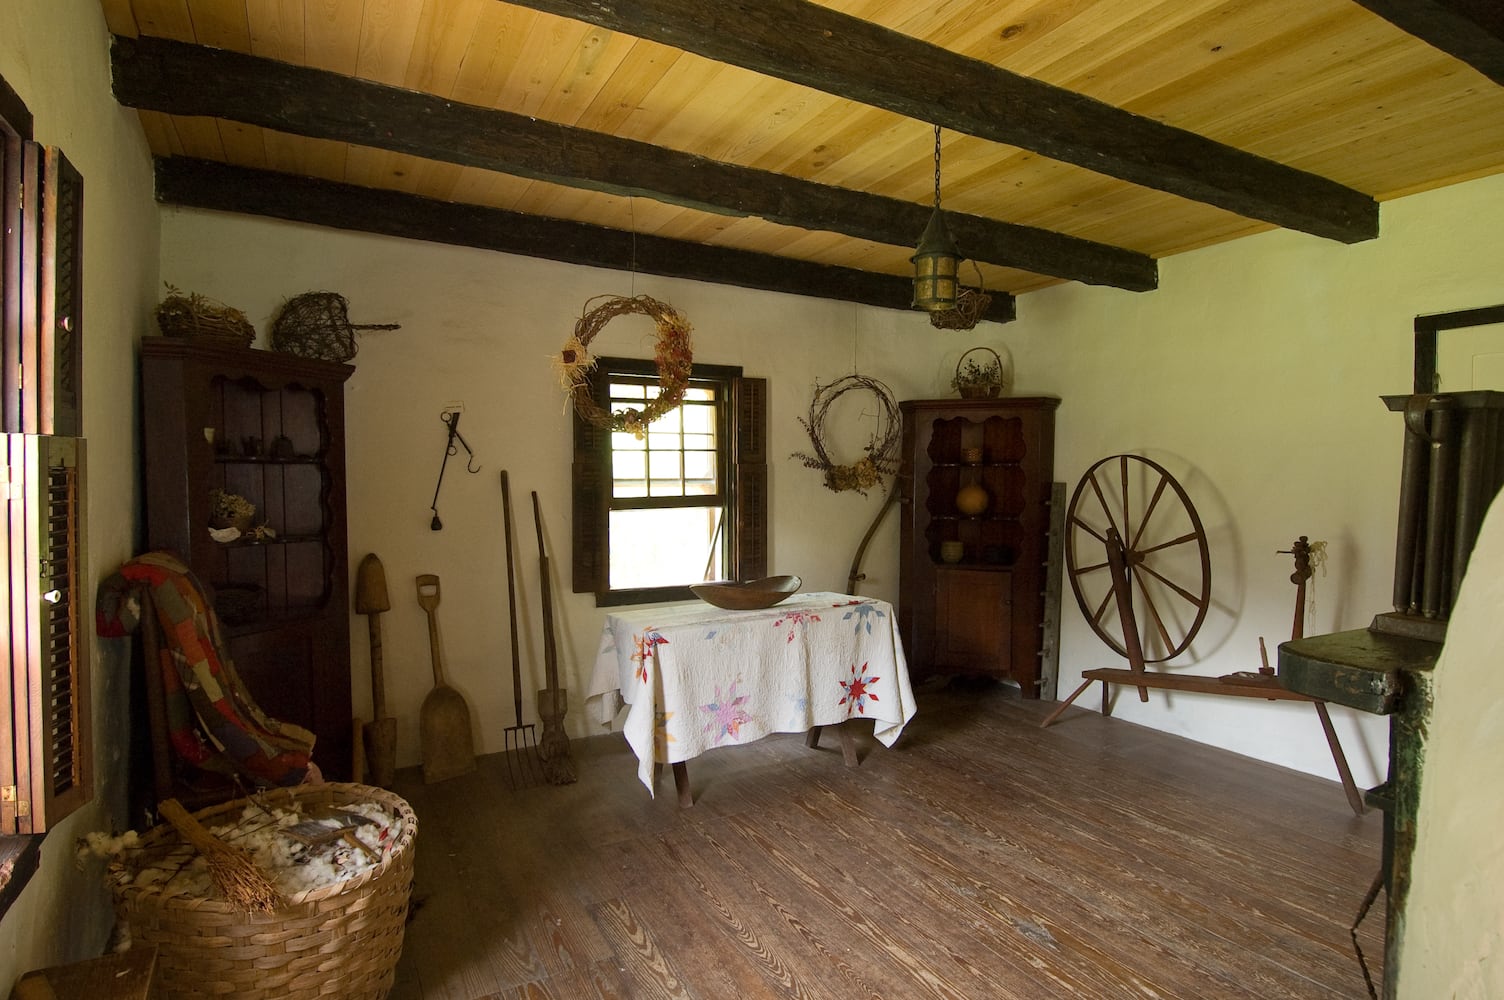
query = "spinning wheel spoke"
x=1096 y=488
x=1102 y=609
x=1100 y=536
x=1117 y=485
x=1189 y=536
x=1159 y=491
x=1159 y=622
x=1169 y=583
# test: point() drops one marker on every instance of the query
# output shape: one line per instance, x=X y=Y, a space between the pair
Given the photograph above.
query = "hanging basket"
x=317 y=325
x=974 y=381
x=340 y=940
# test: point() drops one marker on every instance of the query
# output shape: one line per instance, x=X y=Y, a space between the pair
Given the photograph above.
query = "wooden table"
x=694 y=677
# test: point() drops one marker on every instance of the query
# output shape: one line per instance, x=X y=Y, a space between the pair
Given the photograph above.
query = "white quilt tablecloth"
x=695 y=676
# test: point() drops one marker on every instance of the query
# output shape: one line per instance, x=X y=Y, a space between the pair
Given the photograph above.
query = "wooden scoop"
x=379 y=736
x=444 y=720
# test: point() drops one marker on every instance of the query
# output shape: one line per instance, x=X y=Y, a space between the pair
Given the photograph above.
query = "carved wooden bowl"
x=748 y=595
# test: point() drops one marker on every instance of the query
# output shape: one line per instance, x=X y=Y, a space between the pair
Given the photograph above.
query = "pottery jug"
x=972 y=499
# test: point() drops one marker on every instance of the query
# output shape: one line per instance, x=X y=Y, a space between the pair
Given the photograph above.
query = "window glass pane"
x=701 y=442
x=664 y=548
x=669 y=423
x=629 y=474
x=627 y=390
x=664 y=465
x=661 y=441
x=699 y=419
x=700 y=394
x=624 y=441
x=699 y=471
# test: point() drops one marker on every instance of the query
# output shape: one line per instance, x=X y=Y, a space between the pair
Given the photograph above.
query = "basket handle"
x=995 y=360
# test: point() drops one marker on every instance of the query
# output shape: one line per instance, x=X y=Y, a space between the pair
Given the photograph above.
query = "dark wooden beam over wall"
x=203 y=184
x=1470 y=30
x=181 y=79
x=839 y=54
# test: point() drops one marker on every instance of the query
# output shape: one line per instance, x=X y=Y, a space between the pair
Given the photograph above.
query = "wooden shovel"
x=379 y=736
x=444 y=720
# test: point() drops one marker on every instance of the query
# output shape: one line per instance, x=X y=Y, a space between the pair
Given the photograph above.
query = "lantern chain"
x=937 y=166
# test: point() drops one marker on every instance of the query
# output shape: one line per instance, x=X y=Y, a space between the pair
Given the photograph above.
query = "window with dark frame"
x=684 y=503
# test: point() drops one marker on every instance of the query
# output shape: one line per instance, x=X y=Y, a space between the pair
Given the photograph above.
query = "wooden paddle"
x=379 y=736
x=444 y=720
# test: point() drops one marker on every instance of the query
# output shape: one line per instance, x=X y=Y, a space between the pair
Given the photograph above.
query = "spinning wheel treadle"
x=1135 y=547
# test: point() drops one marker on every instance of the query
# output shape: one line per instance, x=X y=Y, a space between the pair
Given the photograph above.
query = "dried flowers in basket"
x=230 y=510
x=881 y=454
x=978 y=381
x=195 y=315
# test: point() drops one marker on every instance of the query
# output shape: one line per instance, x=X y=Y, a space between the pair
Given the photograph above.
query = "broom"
x=232 y=868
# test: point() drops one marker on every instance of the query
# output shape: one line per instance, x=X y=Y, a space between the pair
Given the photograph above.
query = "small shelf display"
x=973 y=545
x=975 y=490
x=228 y=428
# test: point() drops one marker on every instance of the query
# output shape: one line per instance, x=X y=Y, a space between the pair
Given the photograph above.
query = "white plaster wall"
x=1454 y=926
x=1253 y=374
x=54 y=54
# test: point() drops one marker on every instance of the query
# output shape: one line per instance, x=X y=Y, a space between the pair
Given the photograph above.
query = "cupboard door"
x=973 y=620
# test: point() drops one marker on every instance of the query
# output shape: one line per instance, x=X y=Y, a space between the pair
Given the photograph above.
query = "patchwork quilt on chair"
x=213 y=722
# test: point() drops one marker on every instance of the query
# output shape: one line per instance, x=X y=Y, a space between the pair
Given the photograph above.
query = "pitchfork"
x=520 y=741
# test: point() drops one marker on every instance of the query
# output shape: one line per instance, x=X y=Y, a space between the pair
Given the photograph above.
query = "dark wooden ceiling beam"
x=217 y=186
x=182 y=79
x=1470 y=30
x=839 y=54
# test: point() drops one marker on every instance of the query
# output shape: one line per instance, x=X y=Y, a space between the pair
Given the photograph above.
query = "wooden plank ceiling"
x=787 y=144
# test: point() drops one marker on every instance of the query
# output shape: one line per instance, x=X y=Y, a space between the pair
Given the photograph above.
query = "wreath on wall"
x=880 y=456
x=671 y=353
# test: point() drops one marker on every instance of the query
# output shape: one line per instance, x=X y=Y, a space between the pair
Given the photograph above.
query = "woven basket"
x=195 y=315
x=337 y=941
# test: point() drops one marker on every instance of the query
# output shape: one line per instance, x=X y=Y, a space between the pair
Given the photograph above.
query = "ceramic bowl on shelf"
x=747 y=595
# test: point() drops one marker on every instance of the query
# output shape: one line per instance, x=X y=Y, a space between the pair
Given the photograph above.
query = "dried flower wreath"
x=672 y=354
x=881 y=458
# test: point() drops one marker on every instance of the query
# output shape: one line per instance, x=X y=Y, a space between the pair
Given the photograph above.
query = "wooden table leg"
x=681 y=785
x=848 y=745
x=848 y=742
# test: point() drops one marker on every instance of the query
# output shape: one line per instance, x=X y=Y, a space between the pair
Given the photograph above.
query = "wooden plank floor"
x=980 y=857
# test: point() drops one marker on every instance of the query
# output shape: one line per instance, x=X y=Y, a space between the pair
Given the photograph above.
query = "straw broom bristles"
x=234 y=871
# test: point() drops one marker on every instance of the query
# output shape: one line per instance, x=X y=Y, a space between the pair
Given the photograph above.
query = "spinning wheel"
x=1136 y=551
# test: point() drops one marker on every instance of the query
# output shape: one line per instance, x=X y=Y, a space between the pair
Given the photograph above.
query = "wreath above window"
x=672 y=354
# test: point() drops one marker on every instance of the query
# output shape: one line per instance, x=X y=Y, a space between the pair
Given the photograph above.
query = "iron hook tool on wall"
x=452 y=421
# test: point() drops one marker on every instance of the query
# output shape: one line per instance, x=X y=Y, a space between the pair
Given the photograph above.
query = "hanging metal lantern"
x=936 y=260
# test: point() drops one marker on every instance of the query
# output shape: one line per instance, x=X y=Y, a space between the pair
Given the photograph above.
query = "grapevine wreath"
x=671 y=353
x=881 y=458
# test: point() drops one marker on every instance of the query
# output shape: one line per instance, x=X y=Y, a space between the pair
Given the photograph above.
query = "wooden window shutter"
x=60 y=307
x=592 y=486
x=46 y=694
x=750 y=458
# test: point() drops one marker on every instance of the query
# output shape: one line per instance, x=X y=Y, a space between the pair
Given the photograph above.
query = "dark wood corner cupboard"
x=977 y=475
x=271 y=428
